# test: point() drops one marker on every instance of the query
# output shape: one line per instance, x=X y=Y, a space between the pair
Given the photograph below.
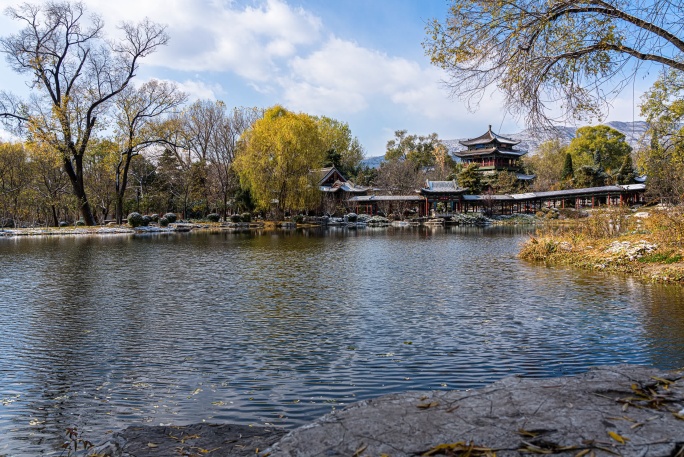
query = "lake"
x=104 y=332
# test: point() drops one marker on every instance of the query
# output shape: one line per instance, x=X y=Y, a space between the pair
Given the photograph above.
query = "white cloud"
x=221 y=36
x=199 y=90
x=348 y=78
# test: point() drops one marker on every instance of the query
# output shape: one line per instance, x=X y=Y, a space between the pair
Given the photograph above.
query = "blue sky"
x=358 y=61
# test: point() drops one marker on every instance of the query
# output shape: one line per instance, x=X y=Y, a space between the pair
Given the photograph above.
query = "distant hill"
x=635 y=133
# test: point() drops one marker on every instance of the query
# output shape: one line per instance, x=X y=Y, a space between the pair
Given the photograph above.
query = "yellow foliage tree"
x=275 y=161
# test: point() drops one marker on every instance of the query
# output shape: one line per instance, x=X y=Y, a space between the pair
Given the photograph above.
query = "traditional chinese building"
x=492 y=153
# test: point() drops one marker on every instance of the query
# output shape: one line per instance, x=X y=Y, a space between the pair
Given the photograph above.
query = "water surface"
x=281 y=327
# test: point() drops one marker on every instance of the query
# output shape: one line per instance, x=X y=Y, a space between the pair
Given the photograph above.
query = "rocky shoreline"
x=615 y=410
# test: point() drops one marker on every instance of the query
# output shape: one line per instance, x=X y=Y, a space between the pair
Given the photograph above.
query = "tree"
x=547 y=165
x=100 y=163
x=276 y=158
x=663 y=161
x=568 y=170
x=222 y=152
x=15 y=178
x=469 y=177
x=138 y=113
x=539 y=52
x=626 y=173
x=75 y=72
x=343 y=151
x=608 y=143
x=422 y=151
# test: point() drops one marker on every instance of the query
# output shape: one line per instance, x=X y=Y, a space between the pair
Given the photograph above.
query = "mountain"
x=635 y=134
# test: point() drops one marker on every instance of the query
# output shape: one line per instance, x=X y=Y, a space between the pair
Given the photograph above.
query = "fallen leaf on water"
x=583 y=453
x=152 y=445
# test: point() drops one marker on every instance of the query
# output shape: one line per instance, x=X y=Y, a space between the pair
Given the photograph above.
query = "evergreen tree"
x=568 y=172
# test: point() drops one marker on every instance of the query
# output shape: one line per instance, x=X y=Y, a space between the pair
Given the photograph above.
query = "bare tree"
x=138 y=113
x=224 y=146
x=542 y=54
x=74 y=74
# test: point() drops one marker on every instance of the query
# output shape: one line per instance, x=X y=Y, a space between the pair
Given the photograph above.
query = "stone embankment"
x=622 y=410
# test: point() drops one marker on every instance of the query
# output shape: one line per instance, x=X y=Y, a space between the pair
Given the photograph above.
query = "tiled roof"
x=489 y=137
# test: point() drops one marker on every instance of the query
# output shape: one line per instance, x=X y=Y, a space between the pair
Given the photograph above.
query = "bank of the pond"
x=622 y=410
x=648 y=244
x=375 y=221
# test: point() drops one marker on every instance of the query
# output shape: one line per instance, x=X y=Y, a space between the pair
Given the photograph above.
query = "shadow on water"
x=280 y=327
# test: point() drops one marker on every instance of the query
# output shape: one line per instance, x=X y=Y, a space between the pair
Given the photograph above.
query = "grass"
x=647 y=244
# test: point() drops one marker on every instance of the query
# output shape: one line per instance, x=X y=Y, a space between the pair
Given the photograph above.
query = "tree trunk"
x=55 y=218
x=76 y=178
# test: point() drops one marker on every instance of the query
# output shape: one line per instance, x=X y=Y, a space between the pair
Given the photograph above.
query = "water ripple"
x=282 y=327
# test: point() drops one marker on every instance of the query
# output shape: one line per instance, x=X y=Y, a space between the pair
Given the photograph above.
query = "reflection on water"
x=281 y=327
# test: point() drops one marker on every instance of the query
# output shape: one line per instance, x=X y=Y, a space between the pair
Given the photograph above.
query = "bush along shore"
x=647 y=243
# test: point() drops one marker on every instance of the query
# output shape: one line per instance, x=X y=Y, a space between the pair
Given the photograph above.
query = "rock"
x=624 y=410
x=221 y=440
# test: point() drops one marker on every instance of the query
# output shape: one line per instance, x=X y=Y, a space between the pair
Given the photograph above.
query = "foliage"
x=663 y=161
x=75 y=441
x=537 y=52
x=163 y=222
x=608 y=143
x=246 y=217
x=502 y=182
x=470 y=178
x=399 y=177
x=626 y=173
x=213 y=217
x=171 y=217
x=138 y=111
x=135 y=219
x=146 y=220
x=547 y=165
x=568 y=172
x=343 y=151
x=422 y=151
x=75 y=72
x=235 y=218
x=276 y=158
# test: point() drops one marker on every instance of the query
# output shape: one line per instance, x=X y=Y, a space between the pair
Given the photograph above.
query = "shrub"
x=236 y=218
x=155 y=217
x=146 y=220
x=213 y=217
x=298 y=219
x=63 y=224
x=246 y=217
x=163 y=222
x=79 y=223
x=351 y=217
x=171 y=217
x=135 y=219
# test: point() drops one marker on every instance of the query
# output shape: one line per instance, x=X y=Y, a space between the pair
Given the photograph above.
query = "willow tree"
x=277 y=154
x=343 y=150
x=572 y=55
x=74 y=73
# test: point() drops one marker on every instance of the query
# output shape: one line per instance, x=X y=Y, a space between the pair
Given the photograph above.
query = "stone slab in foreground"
x=191 y=440
x=624 y=410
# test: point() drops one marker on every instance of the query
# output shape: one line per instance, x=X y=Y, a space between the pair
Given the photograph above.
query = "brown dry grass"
x=586 y=243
